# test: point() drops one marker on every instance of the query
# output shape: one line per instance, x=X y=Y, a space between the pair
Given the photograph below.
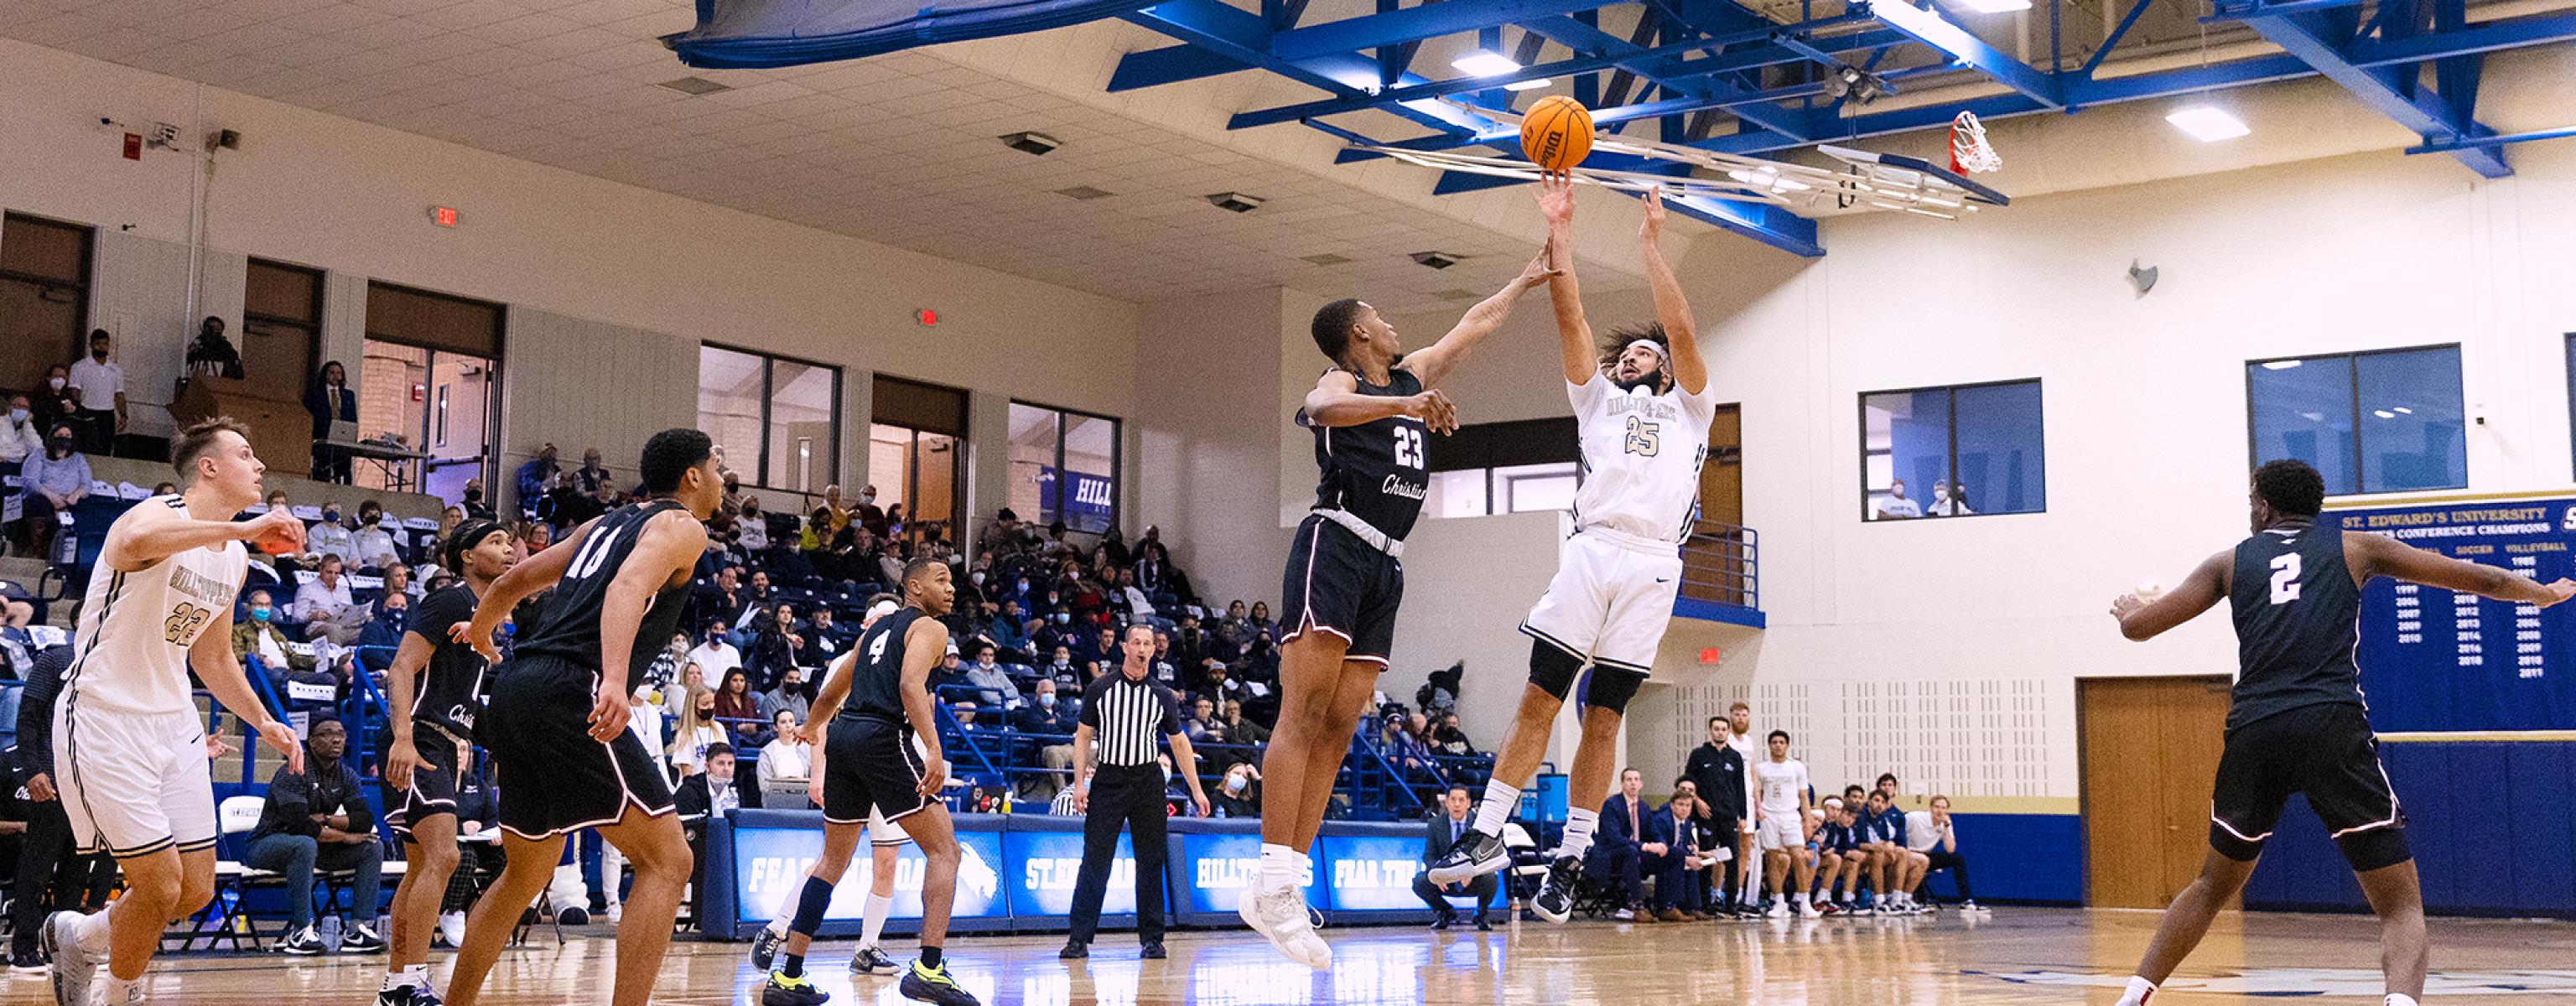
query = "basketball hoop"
x=1969 y=151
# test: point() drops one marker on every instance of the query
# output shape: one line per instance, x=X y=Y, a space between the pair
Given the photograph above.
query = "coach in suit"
x=1634 y=842
x=1438 y=835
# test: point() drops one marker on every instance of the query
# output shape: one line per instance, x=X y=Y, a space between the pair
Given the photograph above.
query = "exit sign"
x=926 y=317
x=444 y=216
x=1709 y=655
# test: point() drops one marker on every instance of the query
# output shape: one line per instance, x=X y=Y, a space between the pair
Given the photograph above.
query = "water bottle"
x=330 y=931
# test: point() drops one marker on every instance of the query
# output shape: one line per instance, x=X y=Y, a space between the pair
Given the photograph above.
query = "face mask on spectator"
x=330 y=515
x=1046 y=699
x=63 y=444
x=1234 y=782
x=1061 y=617
x=56 y=384
x=977 y=577
x=473 y=495
x=17 y=415
x=259 y=613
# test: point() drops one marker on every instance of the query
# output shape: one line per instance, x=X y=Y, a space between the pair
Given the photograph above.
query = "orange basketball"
x=286 y=542
x=1557 y=134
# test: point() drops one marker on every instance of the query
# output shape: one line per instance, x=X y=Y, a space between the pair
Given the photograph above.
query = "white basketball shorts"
x=133 y=783
x=1611 y=599
x=1781 y=831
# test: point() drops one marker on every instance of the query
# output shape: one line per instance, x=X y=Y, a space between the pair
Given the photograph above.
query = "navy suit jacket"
x=1614 y=831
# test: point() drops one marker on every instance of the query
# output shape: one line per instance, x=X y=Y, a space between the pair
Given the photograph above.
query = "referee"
x=1121 y=786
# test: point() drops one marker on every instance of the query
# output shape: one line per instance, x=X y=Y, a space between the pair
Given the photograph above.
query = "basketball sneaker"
x=408 y=995
x=1779 y=909
x=1555 y=901
x=361 y=939
x=1281 y=916
x=933 y=985
x=764 y=948
x=1475 y=855
x=451 y=927
x=303 y=942
x=74 y=968
x=781 y=990
x=872 y=961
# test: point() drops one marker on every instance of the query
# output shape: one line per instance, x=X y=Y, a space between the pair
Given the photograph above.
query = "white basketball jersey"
x=131 y=654
x=1641 y=457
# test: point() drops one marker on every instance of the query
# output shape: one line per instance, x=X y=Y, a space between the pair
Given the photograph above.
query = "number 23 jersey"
x=131 y=651
x=1641 y=457
x=1376 y=471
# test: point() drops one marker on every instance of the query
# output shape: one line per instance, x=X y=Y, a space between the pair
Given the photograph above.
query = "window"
x=418 y=340
x=1496 y=468
x=44 y=296
x=1064 y=465
x=776 y=421
x=2376 y=422
x=1952 y=452
x=281 y=328
x=915 y=455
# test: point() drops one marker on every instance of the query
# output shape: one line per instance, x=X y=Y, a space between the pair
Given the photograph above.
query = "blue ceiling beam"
x=2498 y=140
x=1170 y=64
x=1414 y=24
x=1930 y=28
x=2393 y=91
x=1584 y=38
x=1244 y=37
x=2491 y=36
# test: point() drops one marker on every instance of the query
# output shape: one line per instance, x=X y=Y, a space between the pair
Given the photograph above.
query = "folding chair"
x=233 y=882
x=1528 y=870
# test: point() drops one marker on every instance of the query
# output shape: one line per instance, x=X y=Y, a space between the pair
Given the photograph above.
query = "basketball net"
x=1969 y=151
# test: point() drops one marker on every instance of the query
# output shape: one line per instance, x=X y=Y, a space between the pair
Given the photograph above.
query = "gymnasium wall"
x=617 y=267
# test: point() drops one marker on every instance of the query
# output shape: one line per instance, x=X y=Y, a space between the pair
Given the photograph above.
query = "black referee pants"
x=1128 y=798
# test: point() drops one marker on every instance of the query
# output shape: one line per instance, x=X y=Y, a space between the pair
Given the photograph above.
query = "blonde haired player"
x=128 y=742
x=1642 y=415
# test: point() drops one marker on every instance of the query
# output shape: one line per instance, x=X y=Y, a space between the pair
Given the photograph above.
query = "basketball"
x=285 y=542
x=1557 y=134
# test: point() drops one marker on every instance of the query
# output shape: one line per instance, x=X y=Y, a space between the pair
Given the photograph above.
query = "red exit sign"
x=926 y=317
x=1709 y=655
x=444 y=216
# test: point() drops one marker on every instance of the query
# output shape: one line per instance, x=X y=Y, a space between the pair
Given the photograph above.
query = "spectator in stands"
x=99 y=387
x=1948 y=503
x=865 y=514
x=716 y=656
x=1195 y=721
x=57 y=402
x=325 y=608
x=211 y=354
x=1239 y=793
x=398 y=580
x=49 y=484
x=1929 y=833
x=1061 y=668
x=473 y=502
x=1050 y=714
x=735 y=701
x=788 y=696
x=20 y=437
x=330 y=537
x=706 y=794
x=328 y=400
x=698 y=730
x=1405 y=748
x=1241 y=727
x=1632 y=843
x=1448 y=738
x=373 y=542
x=787 y=758
x=995 y=688
x=1895 y=506
x=448 y=519
x=391 y=616
x=588 y=478
x=319 y=818
x=1261 y=623
x=773 y=643
x=533 y=476
x=690 y=680
x=948 y=679
x=1442 y=831
x=1004 y=534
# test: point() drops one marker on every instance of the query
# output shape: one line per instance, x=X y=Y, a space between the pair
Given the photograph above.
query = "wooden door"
x=2149 y=748
x=1721 y=479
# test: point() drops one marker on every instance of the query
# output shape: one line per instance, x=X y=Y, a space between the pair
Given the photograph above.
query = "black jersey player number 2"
x=2285 y=578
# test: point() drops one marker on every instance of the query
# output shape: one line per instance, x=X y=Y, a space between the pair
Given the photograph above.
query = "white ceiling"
x=900 y=149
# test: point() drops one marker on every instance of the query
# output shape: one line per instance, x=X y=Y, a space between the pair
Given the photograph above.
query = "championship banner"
x=2437 y=661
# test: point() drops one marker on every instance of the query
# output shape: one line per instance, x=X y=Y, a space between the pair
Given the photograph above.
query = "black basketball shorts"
x=1339 y=584
x=553 y=777
x=871 y=765
x=433 y=783
x=2325 y=751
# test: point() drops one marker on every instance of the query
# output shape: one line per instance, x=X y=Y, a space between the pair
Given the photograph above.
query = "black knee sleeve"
x=2375 y=849
x=1552 y=669
x=1611 y=687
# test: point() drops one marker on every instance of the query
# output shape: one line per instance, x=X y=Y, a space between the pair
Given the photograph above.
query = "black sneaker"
x=573 y=915
x=1074 y=950
x=872 y=961
x=406 y=995
x=1446 y=920
x=923 y=983
x=1483 y=926
x=764 y=948
x=27 y=962
x=1555 y=901
x=301 y=943
x=1151 y=952
x=361 y=939
x=1475 y=855
x=781 y=990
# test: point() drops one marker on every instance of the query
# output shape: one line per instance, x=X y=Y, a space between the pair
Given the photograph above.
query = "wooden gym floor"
x=2017 y=956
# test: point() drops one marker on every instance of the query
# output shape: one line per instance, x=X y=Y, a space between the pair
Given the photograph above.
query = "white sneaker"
x=1780 y=909
x=616 y=911
x=1282 y=917
x=73 y=967
x=452 y=926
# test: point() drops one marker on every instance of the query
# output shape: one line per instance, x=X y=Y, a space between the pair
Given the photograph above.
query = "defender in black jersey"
x=1371 y=414
x=2297 y=722
x=881 y=753
x=556 y=725
x=428 y=746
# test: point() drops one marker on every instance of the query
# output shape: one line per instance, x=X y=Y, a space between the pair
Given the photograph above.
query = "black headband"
x=466 y=536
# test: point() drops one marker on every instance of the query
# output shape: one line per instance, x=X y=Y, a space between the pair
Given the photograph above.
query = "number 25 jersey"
x=130 y=654
x=1641 y=457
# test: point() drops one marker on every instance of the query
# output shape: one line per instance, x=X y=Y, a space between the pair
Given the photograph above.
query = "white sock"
x=415 y=976
x=1500 y=800
x=91 y=932
x=115 y=991
x=2400 y=999
x=1278 y=867
x=786 y=915
x=1801 y=899
x=1578 y=832
x=2139 y=990
x=879 y=906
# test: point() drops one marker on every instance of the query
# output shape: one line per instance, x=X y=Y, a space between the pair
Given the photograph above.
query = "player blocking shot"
x=129 y=745
x=1642 y=413
x=556 y=725
x=439 y=682
x=2296 y=721
x=882 y=759
x=1371 y=414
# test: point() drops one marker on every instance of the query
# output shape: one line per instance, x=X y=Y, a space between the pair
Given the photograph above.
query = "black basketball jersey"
x=876 y=669
x=1375 y=471
x=451 y=686
x=2297 y=613
x=569 y=626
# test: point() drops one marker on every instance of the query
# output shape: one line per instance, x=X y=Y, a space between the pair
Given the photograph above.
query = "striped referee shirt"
x=1127 y=718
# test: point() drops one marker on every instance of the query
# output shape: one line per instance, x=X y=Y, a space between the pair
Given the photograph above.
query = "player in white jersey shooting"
x=1641 y=409
x=128 y=742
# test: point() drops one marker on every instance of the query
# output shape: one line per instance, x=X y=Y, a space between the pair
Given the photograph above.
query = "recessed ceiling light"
x=1234 y=201
x=1084 y=192
x=1528 y=85
x=2208 y=124
x=2402 y=410
x=1436 y=259
x=2383 y=413
x=695 y=85
x=1327 y=258
x=1486 y=63
x=1039 y=144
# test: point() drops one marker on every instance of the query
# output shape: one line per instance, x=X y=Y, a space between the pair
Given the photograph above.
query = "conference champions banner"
x=2442 y=662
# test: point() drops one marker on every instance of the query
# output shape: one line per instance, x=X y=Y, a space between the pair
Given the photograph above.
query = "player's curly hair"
x=1619 y=338
x=2291 y=486
x=669 y=455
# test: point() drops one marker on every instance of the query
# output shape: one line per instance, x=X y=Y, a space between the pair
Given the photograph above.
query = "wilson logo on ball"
x=1557 y=134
